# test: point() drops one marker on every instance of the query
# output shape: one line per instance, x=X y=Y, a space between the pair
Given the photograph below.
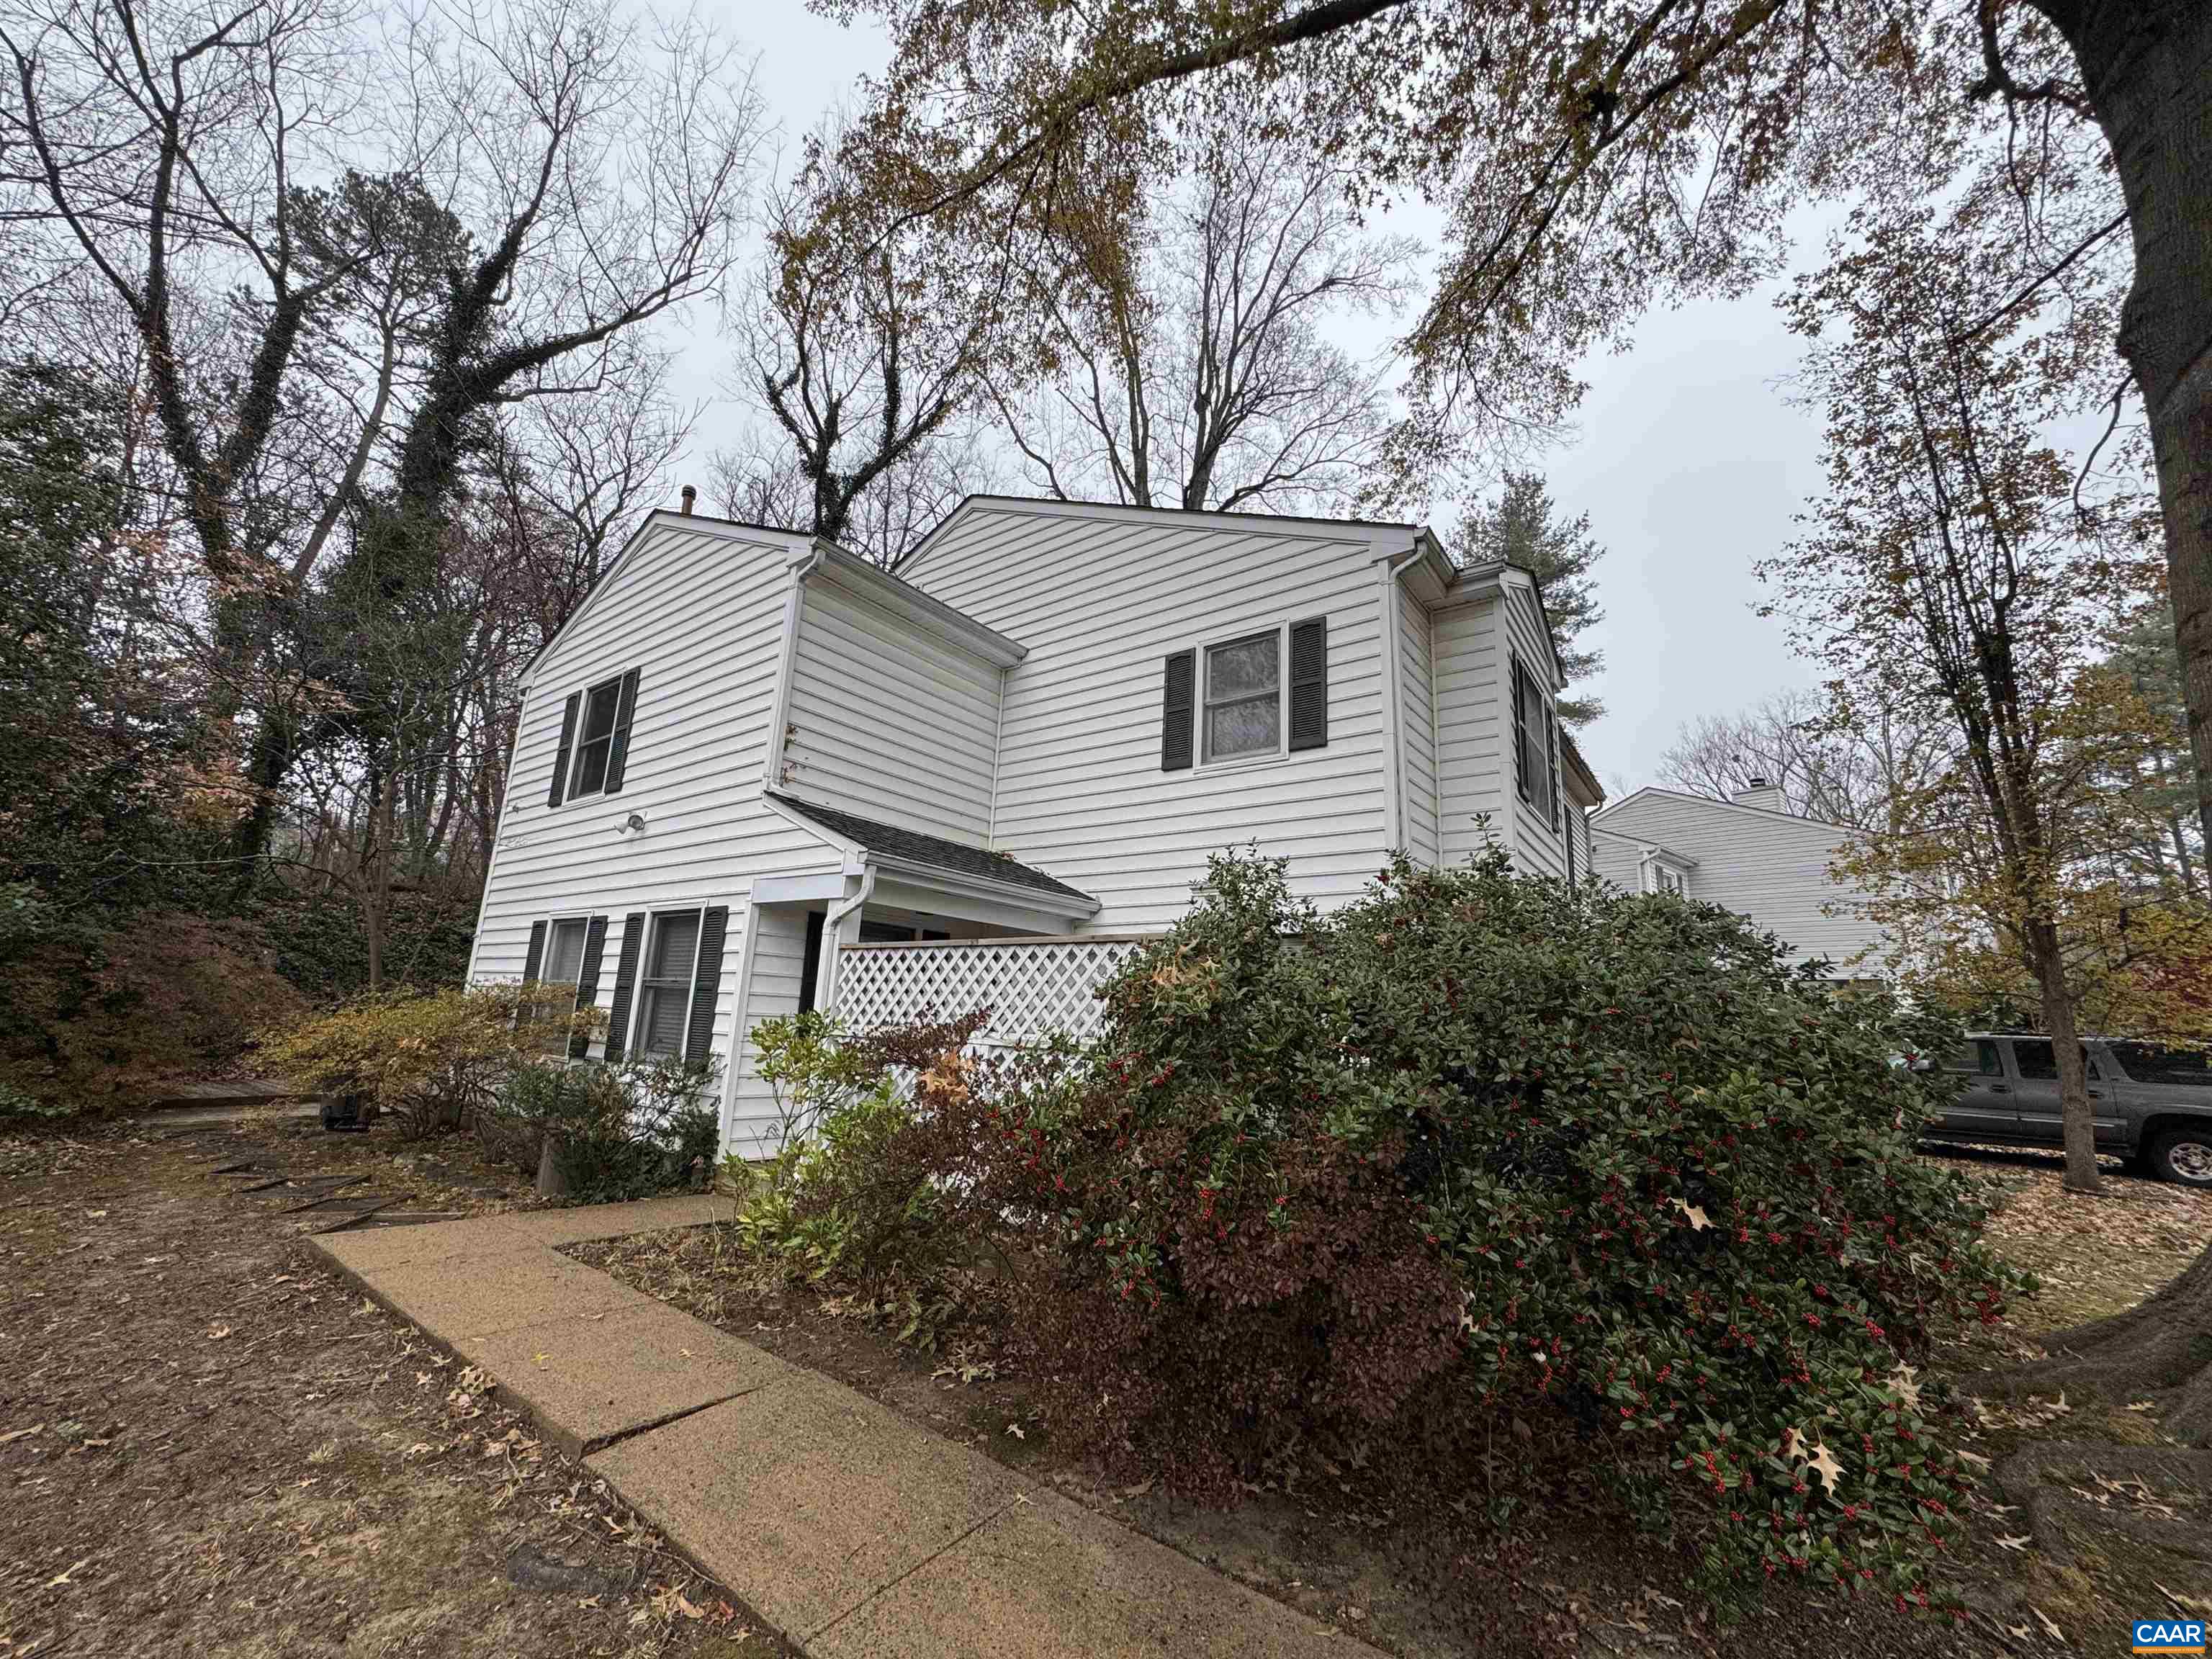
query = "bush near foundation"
x=433 y=1060
x=622 y=1131
x=1478 y=1147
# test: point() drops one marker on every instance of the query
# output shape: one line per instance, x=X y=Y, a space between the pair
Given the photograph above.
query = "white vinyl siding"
x=1417 y=732
x=1473 y=726
x=1770 y=866
x=1100 y=596
x=698 y=611
x=778 y=964
x=890 y=724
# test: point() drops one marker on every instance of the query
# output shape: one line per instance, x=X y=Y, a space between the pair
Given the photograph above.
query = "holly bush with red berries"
x=1482 y=1146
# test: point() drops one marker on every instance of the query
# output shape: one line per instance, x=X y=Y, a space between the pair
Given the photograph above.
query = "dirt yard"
x=207 y=1445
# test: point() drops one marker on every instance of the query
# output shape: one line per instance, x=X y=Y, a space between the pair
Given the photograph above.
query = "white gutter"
x=1393 y=780
x=826 y=975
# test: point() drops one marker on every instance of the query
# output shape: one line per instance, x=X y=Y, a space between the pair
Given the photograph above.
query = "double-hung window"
x=595 y=738
x=1251 y=697
x=671 y=960
x=1535 y=740
x=564 y=950
x=1244 y=698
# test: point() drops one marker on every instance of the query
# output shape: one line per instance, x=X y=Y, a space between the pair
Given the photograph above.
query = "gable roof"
x=914 y=848
x=1768 y=812
x=969 y=503
x=1449 y=574
x=764 y=535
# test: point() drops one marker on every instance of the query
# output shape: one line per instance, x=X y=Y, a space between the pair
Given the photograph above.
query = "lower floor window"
x=664 y=988
x=564 y=956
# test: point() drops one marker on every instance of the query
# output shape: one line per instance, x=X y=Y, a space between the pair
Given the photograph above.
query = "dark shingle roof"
x=918 y=848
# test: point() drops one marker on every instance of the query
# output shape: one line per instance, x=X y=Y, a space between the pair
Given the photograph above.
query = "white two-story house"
x=748 y=752
x=1750 y=854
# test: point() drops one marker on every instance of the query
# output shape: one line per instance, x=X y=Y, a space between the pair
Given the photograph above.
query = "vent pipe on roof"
x=689 y=495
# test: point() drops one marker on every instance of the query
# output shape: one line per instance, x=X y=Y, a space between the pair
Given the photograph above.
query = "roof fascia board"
x=915 y=874
x=854 y=853
x=1250 y=523
x=909 y=604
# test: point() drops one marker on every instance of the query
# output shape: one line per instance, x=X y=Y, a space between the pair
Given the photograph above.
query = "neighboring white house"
x=1749 y=855
x=749 y=751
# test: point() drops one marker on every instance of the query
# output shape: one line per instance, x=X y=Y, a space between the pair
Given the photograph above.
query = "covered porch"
x=823 y=941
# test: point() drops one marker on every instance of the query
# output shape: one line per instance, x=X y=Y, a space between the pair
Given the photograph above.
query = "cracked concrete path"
x=857 y=1534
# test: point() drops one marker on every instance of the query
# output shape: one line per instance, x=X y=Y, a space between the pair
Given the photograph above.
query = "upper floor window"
x=594 y=739
x=1244 y=698
x=1535 y=744
x=595 y=742
x=1251 y=697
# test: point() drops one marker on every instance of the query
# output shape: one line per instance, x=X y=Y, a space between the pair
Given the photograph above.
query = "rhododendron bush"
x=1481 y=1148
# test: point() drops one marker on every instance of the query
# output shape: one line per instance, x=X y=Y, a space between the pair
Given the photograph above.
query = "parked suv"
x=2152 y=1104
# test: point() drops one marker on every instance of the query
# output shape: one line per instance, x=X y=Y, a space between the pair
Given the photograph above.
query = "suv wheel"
x=2183 y=1155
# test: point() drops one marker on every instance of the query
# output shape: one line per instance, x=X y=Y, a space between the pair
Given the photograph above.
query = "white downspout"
x=826 y=975
x=1394 y=788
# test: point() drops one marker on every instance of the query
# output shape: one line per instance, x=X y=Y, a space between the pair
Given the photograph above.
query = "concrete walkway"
x=852 y=1530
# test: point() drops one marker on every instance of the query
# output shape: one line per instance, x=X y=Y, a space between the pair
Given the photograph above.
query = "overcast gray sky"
x=1687 y=459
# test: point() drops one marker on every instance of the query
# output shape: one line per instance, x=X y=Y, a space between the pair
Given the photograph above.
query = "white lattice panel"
x=1033 y=986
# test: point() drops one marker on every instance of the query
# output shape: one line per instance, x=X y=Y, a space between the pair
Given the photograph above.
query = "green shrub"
x=17 y=1107
x=431 y=1060
x=1477 y=1147
x=620 y=1132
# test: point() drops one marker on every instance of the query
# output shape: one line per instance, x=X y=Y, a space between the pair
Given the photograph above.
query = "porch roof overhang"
x=933 y=863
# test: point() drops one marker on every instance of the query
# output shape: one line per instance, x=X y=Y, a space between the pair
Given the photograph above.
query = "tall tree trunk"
x=2079 y=1127
x=2147 y=67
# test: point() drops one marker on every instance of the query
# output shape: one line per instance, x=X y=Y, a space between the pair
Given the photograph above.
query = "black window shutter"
x=536 y=954
x=1309 y=683
x=587 y=984
x=1520 y=737
x=567 y=738
x=619 y=751
x=1552 y=760
x=1178 y=693
x=699 y=1038
x=625 y=982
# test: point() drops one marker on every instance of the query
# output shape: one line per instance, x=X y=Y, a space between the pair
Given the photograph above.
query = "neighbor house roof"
x=914 y=848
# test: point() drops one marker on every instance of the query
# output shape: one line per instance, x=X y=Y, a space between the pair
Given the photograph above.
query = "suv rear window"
x=2154 y=1062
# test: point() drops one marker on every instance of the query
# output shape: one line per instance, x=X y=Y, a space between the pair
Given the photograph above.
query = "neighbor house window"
x=664 y=988
x=1244 y=698
x=595 y=738
x=1667 y=879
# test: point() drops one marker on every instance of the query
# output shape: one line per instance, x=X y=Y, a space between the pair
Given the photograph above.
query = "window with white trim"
x=1243 y=698
x=564 y=950
x=595 y=738
x=1535 y=743
x=665 y=983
